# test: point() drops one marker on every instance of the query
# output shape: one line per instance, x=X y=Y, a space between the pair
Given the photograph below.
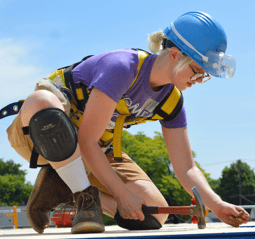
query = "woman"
x=193 y=47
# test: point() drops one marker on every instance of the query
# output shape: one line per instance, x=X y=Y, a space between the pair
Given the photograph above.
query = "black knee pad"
x=149 y=223
x=53 y=134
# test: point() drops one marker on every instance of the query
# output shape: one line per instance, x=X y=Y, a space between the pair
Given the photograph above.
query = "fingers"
x=128 y=214
x=232 y=214
x=130 y=206
x=243 y=216
x=141 y=216
x=137 y=215
x=233 y=221
x=234 y=218
x=236 y=221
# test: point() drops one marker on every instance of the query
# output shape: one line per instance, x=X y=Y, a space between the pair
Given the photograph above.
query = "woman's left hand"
x=231 y=214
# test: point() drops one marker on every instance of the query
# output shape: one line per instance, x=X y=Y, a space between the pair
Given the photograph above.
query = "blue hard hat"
x=204 y=40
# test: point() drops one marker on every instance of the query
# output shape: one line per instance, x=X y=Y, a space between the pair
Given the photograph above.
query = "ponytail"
x=155 y=41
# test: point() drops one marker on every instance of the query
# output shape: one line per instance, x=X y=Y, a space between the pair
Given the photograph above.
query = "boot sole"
x=37 y=187
x=87 y=227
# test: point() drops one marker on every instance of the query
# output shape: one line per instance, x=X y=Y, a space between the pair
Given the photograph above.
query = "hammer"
x=196 y=210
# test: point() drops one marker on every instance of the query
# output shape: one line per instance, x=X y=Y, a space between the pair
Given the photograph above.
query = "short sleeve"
x=179 y=121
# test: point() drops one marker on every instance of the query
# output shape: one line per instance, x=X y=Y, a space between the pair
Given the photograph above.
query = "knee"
x=37 y=101
x=151 y=194
x=161 y=217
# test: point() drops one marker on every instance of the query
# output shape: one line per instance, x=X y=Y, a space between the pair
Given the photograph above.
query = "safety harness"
x=78 y=94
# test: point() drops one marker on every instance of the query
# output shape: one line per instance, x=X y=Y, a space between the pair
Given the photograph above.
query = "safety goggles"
x=216 y=63
x=219 y=64
x=197 y=76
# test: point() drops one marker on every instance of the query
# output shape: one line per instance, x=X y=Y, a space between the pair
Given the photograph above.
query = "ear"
x=174 y=54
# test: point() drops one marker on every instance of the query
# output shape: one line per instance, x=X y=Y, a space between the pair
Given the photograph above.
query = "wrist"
x=119 y=191
x=215 y=203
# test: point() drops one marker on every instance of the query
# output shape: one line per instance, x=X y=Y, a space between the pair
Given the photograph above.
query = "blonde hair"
x=183 y=63
x=155 y=41
x=155 y=46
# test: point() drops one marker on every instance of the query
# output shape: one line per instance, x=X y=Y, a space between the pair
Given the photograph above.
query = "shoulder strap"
x=170 y=106
x=70 y=84
x=121 y=106
x=141 y=56
x=124 y=112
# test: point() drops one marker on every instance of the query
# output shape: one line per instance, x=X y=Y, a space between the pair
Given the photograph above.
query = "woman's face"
x=182 y=79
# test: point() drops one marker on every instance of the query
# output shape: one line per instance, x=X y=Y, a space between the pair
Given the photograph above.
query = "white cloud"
x=18 y=72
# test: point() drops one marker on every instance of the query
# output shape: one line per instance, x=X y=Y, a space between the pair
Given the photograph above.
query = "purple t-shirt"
x=113 y=73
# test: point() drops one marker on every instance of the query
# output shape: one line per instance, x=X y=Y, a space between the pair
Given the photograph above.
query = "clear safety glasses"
x=216 y=63
x=219 y=64
x=198 y=76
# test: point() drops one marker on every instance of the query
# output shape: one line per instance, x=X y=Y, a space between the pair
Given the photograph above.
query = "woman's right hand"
x=130 y=206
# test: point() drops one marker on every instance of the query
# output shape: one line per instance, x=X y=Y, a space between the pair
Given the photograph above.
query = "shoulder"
x=124 y=59
x=111 y=72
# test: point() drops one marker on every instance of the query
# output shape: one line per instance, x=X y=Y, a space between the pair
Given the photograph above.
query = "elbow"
x=86 y=141
x=183 y=172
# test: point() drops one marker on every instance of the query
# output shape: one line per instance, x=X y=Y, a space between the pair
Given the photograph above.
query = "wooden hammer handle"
x=184 y=210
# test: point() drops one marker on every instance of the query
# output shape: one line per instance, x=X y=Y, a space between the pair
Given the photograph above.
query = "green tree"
x=238 y=176
x=152 y=156
x=215 y=184
x=13 y=188
x=9 y=167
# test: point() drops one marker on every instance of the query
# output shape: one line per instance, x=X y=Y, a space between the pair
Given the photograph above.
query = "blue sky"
x=37 y=37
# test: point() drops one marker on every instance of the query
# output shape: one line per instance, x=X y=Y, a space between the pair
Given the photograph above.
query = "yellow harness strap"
x=57 y=76
x=169 y=104
x=173 y=101
x=124 y=112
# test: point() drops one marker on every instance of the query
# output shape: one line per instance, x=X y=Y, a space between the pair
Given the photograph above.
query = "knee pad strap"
x=149 y=223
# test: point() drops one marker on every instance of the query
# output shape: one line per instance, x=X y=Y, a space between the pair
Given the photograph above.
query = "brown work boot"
x=89 y=217
x=48 y=193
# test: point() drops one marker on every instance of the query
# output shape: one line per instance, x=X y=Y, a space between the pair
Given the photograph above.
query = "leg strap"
x=149 y=223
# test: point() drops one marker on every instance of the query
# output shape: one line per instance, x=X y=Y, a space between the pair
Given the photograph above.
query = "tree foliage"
x=152 y=156
x=228 y=187
x=9 y=167
x=13 y=188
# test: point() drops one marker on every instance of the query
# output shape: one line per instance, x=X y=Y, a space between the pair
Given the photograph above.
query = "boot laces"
x=84 y=197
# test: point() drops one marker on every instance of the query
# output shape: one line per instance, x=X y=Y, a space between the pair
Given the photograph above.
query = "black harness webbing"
x=11 y=109
x=34 y=159
x=69 y=79
x=73 y=86
x=34 y=154
x=158 y=110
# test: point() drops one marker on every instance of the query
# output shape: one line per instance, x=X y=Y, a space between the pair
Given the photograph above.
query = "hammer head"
x=199 y=210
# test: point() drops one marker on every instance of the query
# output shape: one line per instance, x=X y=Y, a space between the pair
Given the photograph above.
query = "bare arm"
x=189 y=175
x=96 y=118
